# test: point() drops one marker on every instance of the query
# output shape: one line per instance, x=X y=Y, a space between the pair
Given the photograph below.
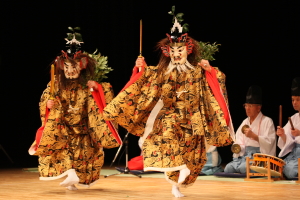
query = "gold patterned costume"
x=190 y=114
x=74 y=135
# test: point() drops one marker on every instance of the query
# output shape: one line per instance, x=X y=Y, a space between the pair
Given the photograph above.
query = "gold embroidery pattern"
x=74 y=138
x=182 y=125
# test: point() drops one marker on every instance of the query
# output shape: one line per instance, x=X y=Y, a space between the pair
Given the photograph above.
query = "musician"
x=289 y=135
x=74 y=132
x=258 y=136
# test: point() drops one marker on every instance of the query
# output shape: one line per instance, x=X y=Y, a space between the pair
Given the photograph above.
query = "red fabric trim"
x=212 y=80
x=136 y=163
x=99 y=98
x=39 y=132
x=134 y=77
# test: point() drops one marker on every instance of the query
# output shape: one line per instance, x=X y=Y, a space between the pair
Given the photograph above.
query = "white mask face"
x=178 y=55
x=71 y=71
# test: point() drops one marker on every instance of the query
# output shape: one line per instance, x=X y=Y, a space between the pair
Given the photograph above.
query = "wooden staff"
x=291 y=123
x=141 y=28
x=52 y=83
x=280 y=116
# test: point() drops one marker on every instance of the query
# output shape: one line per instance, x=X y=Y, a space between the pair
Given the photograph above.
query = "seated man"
x=289 y=136
x=257 y=137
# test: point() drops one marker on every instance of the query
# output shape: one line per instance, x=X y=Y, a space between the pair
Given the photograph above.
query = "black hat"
x=254 y=95
x=295 y=89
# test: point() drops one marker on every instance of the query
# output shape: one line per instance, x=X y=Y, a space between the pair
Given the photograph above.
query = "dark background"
x=259 y=45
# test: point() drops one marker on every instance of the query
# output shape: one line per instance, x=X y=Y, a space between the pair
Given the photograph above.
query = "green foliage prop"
x=207 y=50
x=101 y=68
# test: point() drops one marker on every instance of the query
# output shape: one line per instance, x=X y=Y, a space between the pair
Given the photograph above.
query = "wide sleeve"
x=240 y=140
x=43 y=103
x=99 y=129
x=131 y=107
x=290 y=140
x=214 y=113
x=267 y=140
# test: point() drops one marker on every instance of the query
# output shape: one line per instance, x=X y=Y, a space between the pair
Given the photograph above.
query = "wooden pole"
x=280 y=116
x=52 y=82
x=291 y=123
x=141 y=34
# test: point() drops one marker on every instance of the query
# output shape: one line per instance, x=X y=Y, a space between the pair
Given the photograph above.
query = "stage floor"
x=25 y=185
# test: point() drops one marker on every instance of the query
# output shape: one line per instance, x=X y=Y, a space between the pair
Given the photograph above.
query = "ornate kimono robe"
x=183 y=113
x=74 y=134
x=292 y=145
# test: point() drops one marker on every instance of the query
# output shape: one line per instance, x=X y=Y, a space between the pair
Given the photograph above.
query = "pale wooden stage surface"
x=18 y=184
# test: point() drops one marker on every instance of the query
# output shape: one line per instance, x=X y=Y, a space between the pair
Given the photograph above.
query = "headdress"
x=74 y=41
x=254 y=95
x=178 y=35
x=295 y=89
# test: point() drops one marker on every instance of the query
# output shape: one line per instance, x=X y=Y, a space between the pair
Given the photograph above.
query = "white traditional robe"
x=291 y=141
x=262 y=126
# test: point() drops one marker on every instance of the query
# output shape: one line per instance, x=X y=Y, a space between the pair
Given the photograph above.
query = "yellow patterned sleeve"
x=108 y=92
x=131 y=107
x=43 y=103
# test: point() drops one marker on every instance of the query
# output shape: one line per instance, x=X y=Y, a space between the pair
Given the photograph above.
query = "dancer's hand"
x=92 y=84
x=140 y=63
x=205 y=65
x=50 y=104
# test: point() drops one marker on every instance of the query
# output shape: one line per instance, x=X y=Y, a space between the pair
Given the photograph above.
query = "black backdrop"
x=259 y=45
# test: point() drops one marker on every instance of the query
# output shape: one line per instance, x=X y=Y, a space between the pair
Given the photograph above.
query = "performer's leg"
x=290 y=170
x=176 y=192
x=242 y=168
x=229 y=168
x=183 y=174
x=71 y=179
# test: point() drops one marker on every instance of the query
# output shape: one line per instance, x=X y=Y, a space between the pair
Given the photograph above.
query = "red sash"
x=100 y=101
x=39 y=132
x=134 y=77
x=212 y=80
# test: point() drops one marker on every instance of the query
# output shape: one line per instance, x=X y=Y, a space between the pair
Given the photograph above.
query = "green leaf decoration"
x=78 y=37
x=70 y=36
x=170 y=13
x=208 y=50
x=77 y=28
x=179 y=20
x=185 y=28
x=173 y=9
x=179 y=15
x=71 y=29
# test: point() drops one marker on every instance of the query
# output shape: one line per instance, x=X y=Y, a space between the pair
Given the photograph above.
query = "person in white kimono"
x=259 y=137
x=214 y=161
x=289 y=138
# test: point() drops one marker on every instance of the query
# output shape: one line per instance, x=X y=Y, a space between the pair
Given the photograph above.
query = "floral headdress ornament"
x=74 y=41
x=179 y=35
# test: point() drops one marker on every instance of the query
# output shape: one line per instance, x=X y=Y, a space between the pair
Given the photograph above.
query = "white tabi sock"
x=71 y=179
x=176 y=192
x=72 y=187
